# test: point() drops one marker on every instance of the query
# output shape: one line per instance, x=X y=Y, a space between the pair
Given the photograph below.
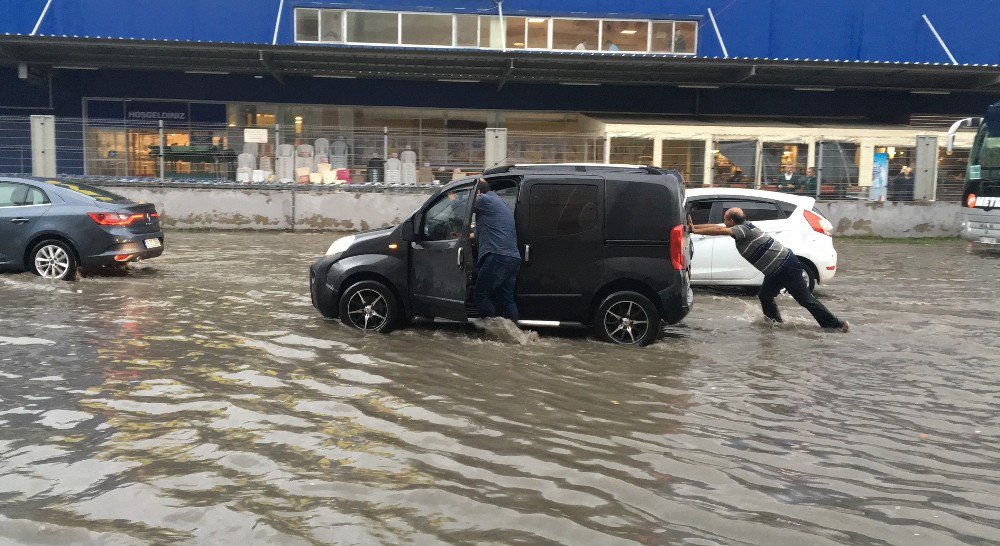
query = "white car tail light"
x=818 y=223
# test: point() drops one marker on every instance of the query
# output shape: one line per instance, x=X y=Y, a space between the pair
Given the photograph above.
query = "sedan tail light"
x=677 y=247
x=818 y=223
x=116 y=218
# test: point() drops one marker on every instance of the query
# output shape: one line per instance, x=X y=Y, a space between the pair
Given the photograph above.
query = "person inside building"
x=498 y=259
x=901 y=187
x=582 y=46
x=807 y=183
x=610 y=46
x=788 y=180
x=780 y=266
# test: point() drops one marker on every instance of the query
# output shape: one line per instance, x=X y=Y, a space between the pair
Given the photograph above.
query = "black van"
x=603 y=246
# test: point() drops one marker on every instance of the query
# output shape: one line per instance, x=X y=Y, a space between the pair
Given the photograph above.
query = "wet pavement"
x=201 y=399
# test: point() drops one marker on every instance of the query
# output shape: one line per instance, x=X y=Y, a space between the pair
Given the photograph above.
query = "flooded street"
x=202 y=399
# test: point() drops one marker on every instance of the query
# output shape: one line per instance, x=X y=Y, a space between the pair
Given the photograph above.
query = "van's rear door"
x=559 y=223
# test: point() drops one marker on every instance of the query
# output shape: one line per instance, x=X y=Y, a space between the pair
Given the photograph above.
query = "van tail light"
x=677 y=247
x=818 y=223
x=114 y=218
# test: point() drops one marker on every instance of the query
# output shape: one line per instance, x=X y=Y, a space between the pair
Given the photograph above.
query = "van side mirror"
x=406 y=231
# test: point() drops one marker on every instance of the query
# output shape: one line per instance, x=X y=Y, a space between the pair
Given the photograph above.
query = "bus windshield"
x=984 y=165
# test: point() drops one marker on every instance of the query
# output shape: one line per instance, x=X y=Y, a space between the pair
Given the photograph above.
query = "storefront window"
x=575 y=34
x=776 y=156
x=538 y=33
x=466 y=30
x=735 y=163
x=490 y=32
x=632 y=151
x=515 y=32
x=306 y=25
x=625 y=36
x=687 y=157
x=426 y=29
x=331 y=26
x=372 y=27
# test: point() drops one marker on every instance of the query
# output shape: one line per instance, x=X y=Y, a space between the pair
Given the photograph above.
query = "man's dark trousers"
x=789 y=277
x=496 y=279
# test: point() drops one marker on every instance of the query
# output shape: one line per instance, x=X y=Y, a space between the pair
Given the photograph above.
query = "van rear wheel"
x=370 y=306
x=627 y=318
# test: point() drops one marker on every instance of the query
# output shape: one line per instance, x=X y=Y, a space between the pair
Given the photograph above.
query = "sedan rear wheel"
x=53 y=260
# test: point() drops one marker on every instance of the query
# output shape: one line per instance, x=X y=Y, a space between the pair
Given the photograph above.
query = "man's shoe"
x=845 y=327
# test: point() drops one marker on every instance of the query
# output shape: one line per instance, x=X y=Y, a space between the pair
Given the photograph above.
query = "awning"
x=380 y=62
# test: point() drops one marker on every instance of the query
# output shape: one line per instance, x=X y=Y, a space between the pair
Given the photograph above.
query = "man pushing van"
x=498 y=260
x=780 y=266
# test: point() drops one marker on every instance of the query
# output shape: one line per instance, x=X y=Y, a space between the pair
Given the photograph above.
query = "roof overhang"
x=500 y=67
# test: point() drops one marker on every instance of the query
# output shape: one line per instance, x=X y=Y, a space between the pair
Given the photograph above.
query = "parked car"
x=791 y=219
x=603 y=246
x=51 y=228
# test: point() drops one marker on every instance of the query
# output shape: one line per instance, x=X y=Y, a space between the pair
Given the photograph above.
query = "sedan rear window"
x=90 y=191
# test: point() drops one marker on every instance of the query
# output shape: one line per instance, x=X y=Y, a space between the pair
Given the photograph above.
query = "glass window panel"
x=538 y=33
x=426 y=29
x=515 y=32
x=372 y=27
x=625 y=36
x=562 y=209
x=574 y=34
x=331 y=27
x=662 y=33
x=489 y=32
x=306 y=25
x=685 y=36
x=466 y=30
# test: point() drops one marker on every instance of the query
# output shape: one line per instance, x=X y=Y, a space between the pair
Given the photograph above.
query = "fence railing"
x=146 y=152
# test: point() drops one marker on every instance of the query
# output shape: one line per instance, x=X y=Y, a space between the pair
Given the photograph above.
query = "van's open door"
x=441 y=260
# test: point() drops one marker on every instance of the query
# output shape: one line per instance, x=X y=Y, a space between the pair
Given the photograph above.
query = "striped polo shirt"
x=759 y=248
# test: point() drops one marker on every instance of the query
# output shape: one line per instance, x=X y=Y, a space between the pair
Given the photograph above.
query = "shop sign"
x=201 y=138
x=255 y=135
x=172 y=112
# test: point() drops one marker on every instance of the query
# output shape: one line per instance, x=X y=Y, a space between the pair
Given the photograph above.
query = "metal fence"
x=140 y=152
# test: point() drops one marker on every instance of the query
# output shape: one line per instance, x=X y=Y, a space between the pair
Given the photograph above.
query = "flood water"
x=201 y=399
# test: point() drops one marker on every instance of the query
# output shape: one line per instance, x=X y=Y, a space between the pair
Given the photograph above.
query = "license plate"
x=987 y=240
x=153 y=243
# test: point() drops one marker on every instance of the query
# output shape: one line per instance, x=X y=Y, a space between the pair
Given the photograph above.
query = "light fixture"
x=823 y=89
x=62 y=67
x=259 y=77
x=695 y=86
x=537 y=20
x=336 y=76
x=629 y=31
x=930 y=92
x=298 y=120
x=518 y=44
x=579 y=83
x=219 y=72
x=458 y=81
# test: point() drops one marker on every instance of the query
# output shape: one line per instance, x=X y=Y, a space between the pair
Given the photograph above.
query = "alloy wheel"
x=52 y=262
x=626 y=322
x=367 y=309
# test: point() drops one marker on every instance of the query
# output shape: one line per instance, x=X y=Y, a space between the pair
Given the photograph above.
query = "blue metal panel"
x=847 y=30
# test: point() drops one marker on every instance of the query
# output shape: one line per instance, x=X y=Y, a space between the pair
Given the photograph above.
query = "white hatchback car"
x=790 y=218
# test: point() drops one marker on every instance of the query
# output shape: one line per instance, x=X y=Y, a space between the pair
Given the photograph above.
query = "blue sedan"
x=53 y=228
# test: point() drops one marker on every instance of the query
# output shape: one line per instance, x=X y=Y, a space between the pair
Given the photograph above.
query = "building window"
x=426 y=29
x=685 y=36
x=538 y=33
x=575 y=34
x=487 y=31
x=372 y=27
x=306 y=25
x=625 y=36
x=331 y=28
x=467 y=30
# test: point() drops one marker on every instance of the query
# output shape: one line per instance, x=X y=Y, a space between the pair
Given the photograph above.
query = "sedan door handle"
x=460 y=263
x=20 y=220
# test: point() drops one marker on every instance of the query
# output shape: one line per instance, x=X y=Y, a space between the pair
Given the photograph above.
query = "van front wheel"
x=369 y=306
x=627 y=318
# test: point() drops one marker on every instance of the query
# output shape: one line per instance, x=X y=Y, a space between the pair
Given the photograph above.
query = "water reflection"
x=204 y=400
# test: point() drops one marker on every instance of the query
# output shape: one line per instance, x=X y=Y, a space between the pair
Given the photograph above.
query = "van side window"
x=562 y=209
x=445 y=219
x=757 y=211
